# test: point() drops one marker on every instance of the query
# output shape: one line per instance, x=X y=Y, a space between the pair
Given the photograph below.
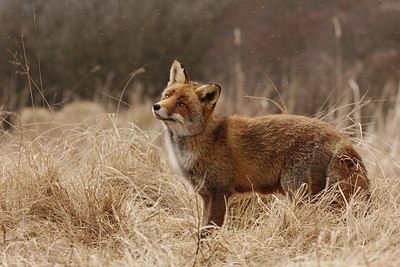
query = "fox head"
x=185 y=106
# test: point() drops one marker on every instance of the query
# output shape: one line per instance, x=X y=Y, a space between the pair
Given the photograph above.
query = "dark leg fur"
x=347 y=169
x=213 y=212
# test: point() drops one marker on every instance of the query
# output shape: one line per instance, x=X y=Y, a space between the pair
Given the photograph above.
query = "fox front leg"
x=213 y=212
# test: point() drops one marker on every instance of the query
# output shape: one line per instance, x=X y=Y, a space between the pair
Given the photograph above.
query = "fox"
x=276 y=153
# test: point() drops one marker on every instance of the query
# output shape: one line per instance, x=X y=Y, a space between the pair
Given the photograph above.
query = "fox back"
x=221 y=156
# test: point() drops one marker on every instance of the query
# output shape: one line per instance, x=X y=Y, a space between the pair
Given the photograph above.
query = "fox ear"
x=177 y=74
x=209 y=94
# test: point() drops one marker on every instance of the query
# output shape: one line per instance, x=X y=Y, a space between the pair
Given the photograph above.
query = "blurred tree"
x=88 y=49
x=294 y=43
x=80 y=42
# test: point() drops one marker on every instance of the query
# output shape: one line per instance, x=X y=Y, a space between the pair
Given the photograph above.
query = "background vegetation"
x=87 y=50
x=84 y=179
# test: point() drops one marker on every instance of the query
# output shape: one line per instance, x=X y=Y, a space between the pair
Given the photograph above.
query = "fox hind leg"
x=347 y=170
x=309 y=170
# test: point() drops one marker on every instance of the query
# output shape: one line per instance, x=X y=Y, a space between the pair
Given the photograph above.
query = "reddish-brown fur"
x=221 y=156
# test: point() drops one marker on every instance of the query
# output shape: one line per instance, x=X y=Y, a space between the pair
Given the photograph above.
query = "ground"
x=85 y=187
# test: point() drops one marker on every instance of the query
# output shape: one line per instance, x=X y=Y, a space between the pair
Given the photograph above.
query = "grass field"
x=85 y=187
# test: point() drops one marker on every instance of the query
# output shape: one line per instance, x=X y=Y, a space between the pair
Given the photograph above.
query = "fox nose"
x=156 y=107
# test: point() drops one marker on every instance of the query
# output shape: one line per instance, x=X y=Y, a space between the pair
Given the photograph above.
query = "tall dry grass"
x=83 y=187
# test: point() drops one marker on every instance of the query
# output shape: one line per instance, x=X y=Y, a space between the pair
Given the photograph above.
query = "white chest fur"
x=182 y=157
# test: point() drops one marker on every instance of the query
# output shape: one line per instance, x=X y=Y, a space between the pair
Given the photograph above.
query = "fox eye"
x=182 y=105
x=167 y=95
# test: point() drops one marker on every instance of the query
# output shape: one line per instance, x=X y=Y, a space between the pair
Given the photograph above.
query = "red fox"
x=221 y=156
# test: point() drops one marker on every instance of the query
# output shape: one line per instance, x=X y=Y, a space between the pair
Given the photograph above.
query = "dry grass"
x=92 y=190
